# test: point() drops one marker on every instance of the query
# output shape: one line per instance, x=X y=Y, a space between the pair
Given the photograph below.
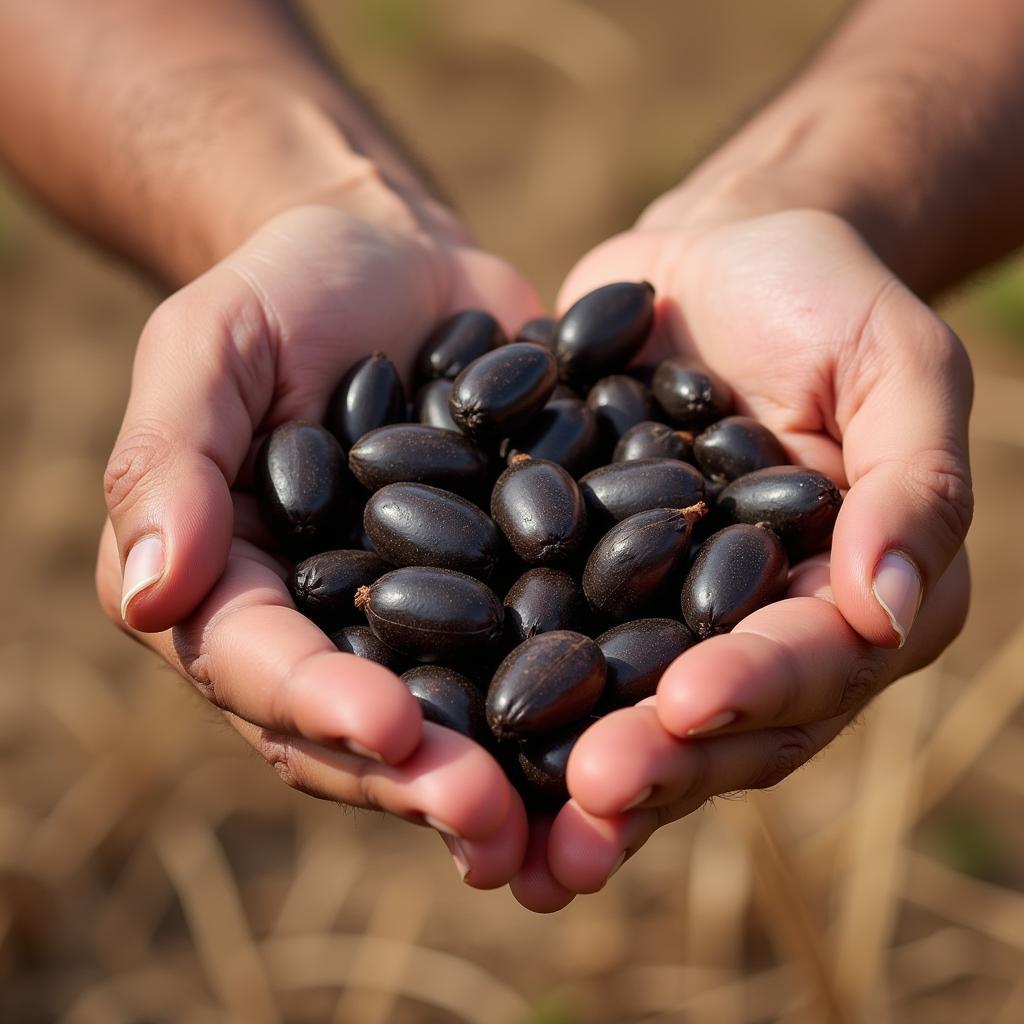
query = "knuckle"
x=136 y=460
x=280 y=753
x=864 y=680
x=944 y=483
x=795 y=750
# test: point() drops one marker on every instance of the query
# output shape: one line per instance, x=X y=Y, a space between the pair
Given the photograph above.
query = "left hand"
x=858 y=379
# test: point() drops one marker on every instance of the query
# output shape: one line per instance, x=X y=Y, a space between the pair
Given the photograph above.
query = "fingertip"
x=533 y=885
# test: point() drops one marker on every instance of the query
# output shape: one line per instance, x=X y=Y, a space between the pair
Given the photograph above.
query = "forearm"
x=171 y=129
x=909 y=123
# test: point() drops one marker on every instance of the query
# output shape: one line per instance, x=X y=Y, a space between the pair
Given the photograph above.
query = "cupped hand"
x=859 y=379
x=184 y=565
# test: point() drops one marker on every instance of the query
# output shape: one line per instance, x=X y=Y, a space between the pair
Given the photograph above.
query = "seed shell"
x=690 y=395
x=363 y=643
x=456 y=342
x=619 y=403
x=541 y=601
x=368 y=396
x=448 y=698
x=324 y=585
x=621 y=489
x=564 y=431
x=637 y=654
x=735 y=446
x=652 y=440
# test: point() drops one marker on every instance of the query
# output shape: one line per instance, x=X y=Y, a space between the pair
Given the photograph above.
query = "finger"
x=534 y=886
x=494 y=861
x=449 y=783
x=630 y=760
x=197 y=389
x=905 y=399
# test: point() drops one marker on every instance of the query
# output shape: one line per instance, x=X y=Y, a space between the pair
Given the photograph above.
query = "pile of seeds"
x=544 y=530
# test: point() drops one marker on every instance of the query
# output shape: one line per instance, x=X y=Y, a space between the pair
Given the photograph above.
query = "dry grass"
x=152 y=870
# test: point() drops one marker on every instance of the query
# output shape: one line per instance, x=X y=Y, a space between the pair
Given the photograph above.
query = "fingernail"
x=142 y=568
x=361 y=751
x=458 y=856
x=719 y=721
x=619 y=861
x=441 y=826
x=897 y=587
x=643 y=795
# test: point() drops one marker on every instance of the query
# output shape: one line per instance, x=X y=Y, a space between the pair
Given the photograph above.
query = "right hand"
x=184 y=562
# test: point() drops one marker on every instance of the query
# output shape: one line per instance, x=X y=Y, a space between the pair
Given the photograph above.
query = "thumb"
x=905 y=449
x=186 y=431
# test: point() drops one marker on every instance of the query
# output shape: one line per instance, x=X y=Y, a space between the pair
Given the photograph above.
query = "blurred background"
x=151 y=869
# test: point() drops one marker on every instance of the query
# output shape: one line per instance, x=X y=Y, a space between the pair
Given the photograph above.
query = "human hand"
x=858 y=379
x=185 y=564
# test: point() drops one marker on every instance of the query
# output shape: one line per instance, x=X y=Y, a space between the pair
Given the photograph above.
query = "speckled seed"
x=546 y=683
x=651 y=440
x=540 y=510
x=541 y=601
x=369 y=396
x=431 y=405
x=618 y=403
x=540 y=330
x=448 y=698
x=500 y=392
x=422 y=454
x=303 y=488
x=735 y=446
x=363 y=643
x=543 y=762
x=432 y=614
x=799 y=504
x=634 y=560
x=739 y=569
x=415 y=524
x=564 y=431
x=324 y=585
x=456 y=342
x=621 y=489
x=603 y=330
x=690 y=395
x=637 y=654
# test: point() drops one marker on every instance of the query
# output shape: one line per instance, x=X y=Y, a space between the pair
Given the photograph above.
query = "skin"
x=298 y=258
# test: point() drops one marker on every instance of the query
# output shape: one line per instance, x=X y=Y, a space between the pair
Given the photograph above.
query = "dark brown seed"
x=603 y=330
x=621 y=489
x=432 y=614
x=735 y=446
x=618 y=403
x=456 y=342
x=500 y=392
x=448 y=698
x=541 y=601
x=637 y=654
x=540 y=510
x=546 y=683
x=303 y=488
x=739 y=569
x=431 y=405
x=415 y=524
x=543 y=762
x=650 y=440
x=324 y=585
x=370 y=395
x=363 y=643
x=690 y=395
x=799 y=504
x=540 y=330
x=634 y=560
x=421 y=454
x=564 y=431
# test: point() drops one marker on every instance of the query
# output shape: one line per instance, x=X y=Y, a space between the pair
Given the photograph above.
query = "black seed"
x=603 y=330
x=540 y=510
x=431 y=405
x=619 y=403
x=369 y=396
x=362 y=642
x=564 y=431
x=548 y=682
x=448 y=698
x=634 y=560
x=799 y=504
x=540 y=330
x=543 y=761
x=456 y=342
x=303 y=488
x=621 y=489
x=432 y=614
x=500 y=392
x=650 y=440
x=637 y=654
x=324 y=585
x=541 y=601
x=422 y=454
x=739 y=569
x=690 y=395
x=735 y=446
